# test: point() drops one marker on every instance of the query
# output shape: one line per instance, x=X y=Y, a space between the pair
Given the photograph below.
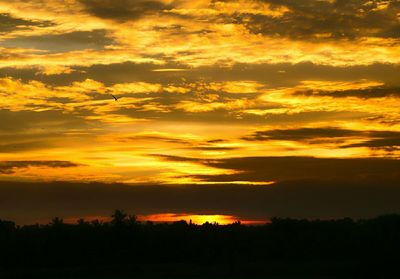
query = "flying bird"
x=116 y=98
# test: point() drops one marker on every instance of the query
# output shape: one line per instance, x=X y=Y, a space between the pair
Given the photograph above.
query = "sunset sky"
x=244 y=108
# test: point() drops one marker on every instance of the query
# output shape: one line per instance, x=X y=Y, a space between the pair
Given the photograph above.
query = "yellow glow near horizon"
x=196 y=219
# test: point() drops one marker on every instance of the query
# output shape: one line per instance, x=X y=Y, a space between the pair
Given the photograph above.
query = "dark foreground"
x=124 y=248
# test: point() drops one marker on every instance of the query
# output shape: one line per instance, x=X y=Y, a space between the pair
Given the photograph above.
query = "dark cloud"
x=214 y=148
x=187 y=144
x=30 y=145
x=286 y=74
x=28 y=130
x=315 y=19
x=301 y=134
x=216 y=141
x=9 y=167
x=274 y=75
x=40 y=139
x=386 y=140
x=156 y=138
x=374 y=92
x=32 y=202
x=226 y=116
x=79 y=40
x=262 y=169
x=9 y=23
x=374 y=139
x=112 y=74
x=123 y=10
x=179 y=30
x=18 y=121
x=173 y=158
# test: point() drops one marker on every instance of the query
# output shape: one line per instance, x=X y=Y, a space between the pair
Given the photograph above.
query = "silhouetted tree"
x=56 y=222
x=119 y=218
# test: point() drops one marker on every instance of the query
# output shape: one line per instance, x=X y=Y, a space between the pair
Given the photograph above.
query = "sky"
x=241 y=110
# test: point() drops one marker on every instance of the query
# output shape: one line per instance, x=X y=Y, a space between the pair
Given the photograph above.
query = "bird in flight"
x=116 y=98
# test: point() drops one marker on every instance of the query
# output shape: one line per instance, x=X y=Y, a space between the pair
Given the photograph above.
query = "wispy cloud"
x=9 y=167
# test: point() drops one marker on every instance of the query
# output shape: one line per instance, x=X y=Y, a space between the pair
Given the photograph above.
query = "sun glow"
x=197 y=219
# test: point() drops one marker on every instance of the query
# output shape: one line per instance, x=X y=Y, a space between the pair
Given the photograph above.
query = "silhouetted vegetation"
x=126 y=248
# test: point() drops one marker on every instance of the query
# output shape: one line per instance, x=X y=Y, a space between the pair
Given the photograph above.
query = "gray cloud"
x=156 y=138
x=274 y=75
x=389 y=140
x=386 y=140
x=186 y=144
x=375 y=92
x=9 y=167
x=174 y=158
x=39 y=139
x=123 y=10
x=301 y=134
x=9 y=23
x=214 y=148
x=226 y=116
x=30 y=145
x=340 y=19
x=28 y=130
x=17 y=121
x=79 y=40
x=280 y=169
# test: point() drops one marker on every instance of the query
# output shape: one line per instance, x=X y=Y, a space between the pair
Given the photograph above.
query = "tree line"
x=281 y=246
